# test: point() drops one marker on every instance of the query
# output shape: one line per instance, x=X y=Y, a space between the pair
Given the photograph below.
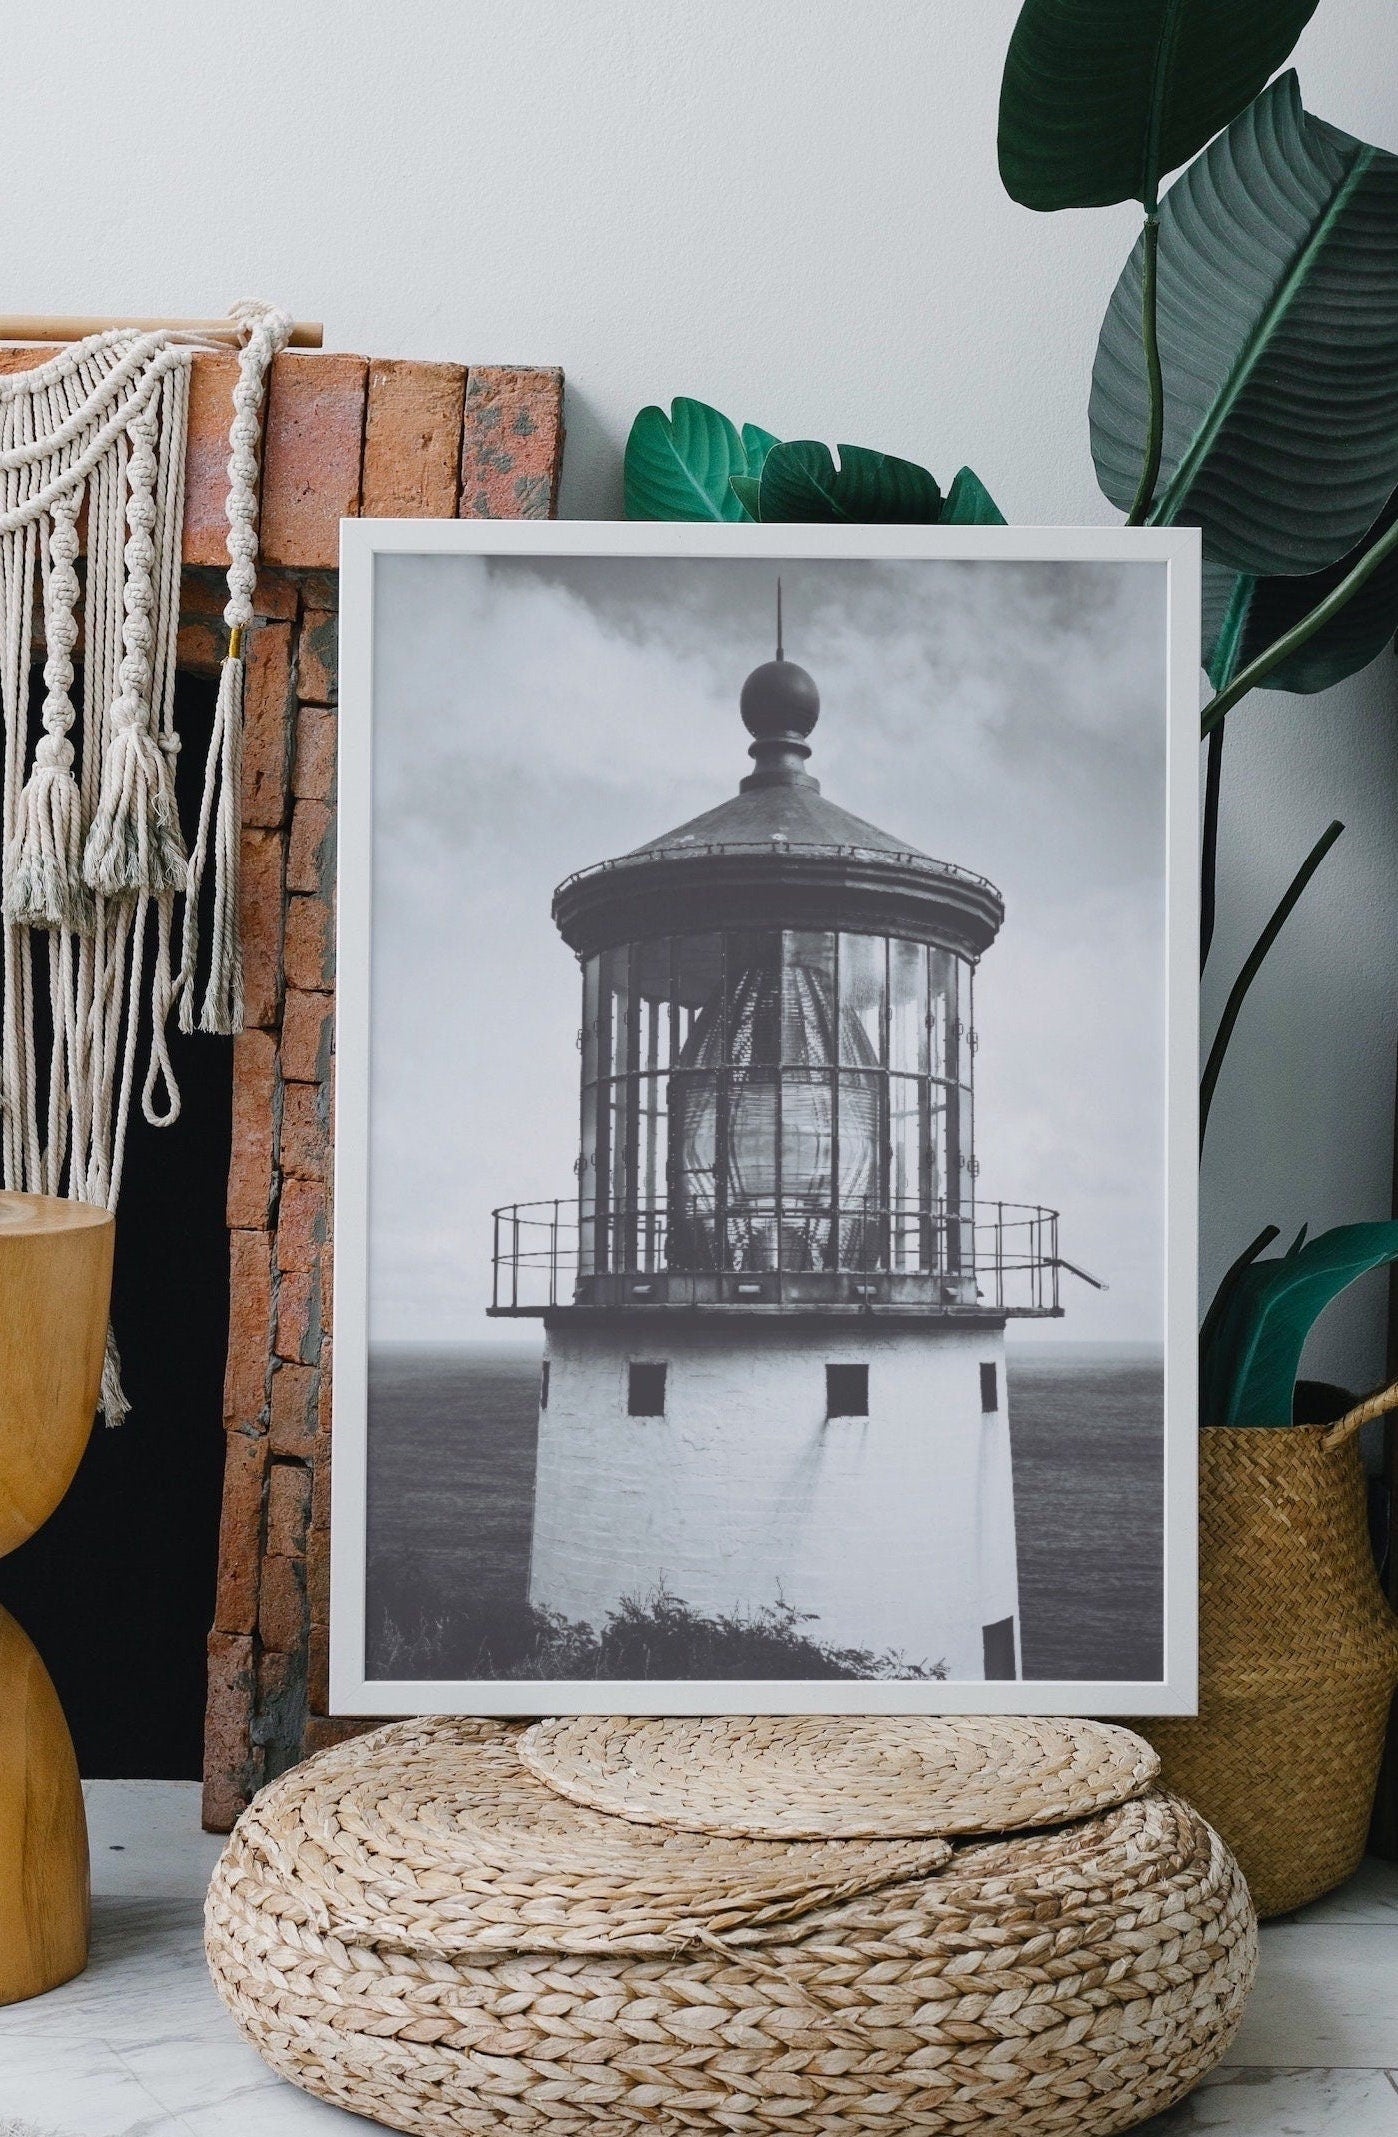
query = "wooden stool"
x=55 y=1286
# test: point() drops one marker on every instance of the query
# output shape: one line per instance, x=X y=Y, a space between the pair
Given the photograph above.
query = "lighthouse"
x=775 y=1308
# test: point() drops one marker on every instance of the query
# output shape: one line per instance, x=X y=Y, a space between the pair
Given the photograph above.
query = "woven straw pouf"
x=417 y=1927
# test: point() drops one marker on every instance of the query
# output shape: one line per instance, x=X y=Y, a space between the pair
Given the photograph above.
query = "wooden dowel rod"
x=305 y=334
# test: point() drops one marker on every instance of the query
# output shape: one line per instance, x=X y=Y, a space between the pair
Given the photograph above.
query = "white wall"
x=790 y=208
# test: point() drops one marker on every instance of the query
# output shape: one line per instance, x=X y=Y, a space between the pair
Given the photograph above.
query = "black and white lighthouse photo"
x=765 y=1209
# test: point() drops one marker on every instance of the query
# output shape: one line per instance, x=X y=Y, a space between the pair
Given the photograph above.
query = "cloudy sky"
x=534 y=716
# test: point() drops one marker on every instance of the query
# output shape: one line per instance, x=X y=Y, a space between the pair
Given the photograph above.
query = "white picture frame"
x=364 y=543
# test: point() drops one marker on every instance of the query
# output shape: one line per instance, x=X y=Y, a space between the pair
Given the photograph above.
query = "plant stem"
x=1155 y=380
x=1253 y=966
x=1291 y=641
x=1208 y=863
x=1230 y=640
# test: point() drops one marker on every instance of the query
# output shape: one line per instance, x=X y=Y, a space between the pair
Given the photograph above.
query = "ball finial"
x=780 y=704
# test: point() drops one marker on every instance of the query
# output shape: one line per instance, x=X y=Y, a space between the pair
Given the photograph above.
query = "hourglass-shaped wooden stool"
x=55 y=1284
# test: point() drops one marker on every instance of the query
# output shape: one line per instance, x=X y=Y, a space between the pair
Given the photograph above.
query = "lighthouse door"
x=998 y=1641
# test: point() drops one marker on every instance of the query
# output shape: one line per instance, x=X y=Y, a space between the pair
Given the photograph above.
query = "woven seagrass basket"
x=1298 y=1659
x=417 y=1928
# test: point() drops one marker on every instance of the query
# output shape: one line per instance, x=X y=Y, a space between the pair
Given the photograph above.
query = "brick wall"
x=345 y=436
x=382 y=438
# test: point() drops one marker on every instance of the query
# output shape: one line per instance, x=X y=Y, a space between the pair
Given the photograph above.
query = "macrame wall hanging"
x=98 y=884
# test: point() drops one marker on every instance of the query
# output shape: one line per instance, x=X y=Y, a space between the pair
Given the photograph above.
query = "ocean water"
x=451 y=1488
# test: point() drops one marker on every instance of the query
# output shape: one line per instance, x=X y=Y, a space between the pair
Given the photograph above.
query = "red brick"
x=276 y=597
x=326 y=1387
x=309 y=950
x=305 y=1146
x=327 y=1272
x=212 y=378
x=308 y=1033
x=512 y=443
x=295 y=1407
x=311 y=457
x=318 y=1571
x=318 y=657
x=412 y=440
x=288 y=1509
x=313 y=767
x=281 y=1616
x=279 y=1712
x=324 y=1732
x=254 y=1130
x=310 y=859
x=240 y=1531
x=26 y=356
x=232 y=1764
x=262 y=895
x=321 y=589
x=302 y=1225
x=249 y=1327
x=267 y=713
x=298 y=1333
x=320 y=1493
x=318 y=1668
x=204 y=594
x=200 y=648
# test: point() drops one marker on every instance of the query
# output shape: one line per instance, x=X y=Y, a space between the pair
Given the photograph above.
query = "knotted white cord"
x=267 y=331
x=91 y=853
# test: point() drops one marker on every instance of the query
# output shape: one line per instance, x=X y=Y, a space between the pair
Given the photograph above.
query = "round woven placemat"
x=433 y=1834
x=836 y=1776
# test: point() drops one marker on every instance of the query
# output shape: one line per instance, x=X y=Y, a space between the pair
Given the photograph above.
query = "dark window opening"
x=544 y=1385
x=645 y=1390
x=990 y=1391
x=998 y=1644
x=847 y=1391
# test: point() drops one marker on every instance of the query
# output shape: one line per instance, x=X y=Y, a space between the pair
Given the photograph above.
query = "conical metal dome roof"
x=778 y=854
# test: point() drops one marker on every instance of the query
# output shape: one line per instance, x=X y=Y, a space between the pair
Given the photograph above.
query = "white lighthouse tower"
x=775 y=1311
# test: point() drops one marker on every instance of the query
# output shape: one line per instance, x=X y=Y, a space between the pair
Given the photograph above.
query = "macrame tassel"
x=44 y=884
x=222 y=1008
x=112 y=1401
x=135 y=843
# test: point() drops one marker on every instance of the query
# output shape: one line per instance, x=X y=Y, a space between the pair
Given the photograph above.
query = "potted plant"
x=1232 y=391
x=1298 y=1649
x=1245 y=382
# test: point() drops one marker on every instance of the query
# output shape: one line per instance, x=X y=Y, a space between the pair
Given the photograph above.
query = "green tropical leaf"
x=1101 y=98
x=757 y=443
x=1256 y=1333
x=1278 y=319
x=680 y=466
x=969 y=503
x=1244 y=615
x=800 y=481
x=1227 y=1283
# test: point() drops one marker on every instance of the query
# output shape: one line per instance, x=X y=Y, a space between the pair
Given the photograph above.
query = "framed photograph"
x=766 y=1120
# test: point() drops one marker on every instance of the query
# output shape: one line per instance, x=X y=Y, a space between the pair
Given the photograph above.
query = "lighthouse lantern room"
x=775 y=1309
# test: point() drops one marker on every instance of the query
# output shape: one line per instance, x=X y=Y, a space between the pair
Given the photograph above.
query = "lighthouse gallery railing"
x=1000 y=1259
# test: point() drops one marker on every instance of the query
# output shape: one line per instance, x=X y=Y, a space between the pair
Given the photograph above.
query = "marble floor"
x=139 y=2046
